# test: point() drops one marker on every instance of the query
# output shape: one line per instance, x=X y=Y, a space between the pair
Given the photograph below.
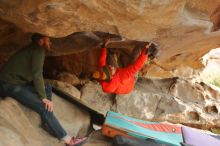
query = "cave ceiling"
x=184 y=30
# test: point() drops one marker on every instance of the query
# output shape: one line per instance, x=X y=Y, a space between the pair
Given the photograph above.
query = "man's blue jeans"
x=27 y=95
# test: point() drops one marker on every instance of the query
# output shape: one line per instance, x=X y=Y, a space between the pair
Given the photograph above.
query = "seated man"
x=121 y=80
x=21 y=78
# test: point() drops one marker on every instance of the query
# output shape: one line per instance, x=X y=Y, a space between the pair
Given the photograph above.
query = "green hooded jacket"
x=26 y=66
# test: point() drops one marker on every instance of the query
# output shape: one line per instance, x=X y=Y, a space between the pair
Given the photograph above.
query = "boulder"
x=21 y=126
x=93 y=95
x=68 y=78
x=174 y=100
x=66 y=87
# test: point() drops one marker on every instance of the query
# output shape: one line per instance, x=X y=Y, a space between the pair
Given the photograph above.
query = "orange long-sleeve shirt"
x=123 y=80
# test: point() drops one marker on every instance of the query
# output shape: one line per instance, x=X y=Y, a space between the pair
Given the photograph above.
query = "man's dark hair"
x=36 y=37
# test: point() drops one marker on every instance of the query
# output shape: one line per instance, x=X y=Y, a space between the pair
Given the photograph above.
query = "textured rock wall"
x=172 y=99
x=184 y=29
x=60 y=18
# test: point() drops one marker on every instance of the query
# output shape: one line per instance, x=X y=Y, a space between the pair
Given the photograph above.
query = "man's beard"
x=47 y=49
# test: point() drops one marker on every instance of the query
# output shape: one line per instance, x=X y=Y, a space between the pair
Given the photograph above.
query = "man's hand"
x=48 y=104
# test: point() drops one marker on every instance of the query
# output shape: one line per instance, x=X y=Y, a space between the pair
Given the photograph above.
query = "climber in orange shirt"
x=121 y=80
